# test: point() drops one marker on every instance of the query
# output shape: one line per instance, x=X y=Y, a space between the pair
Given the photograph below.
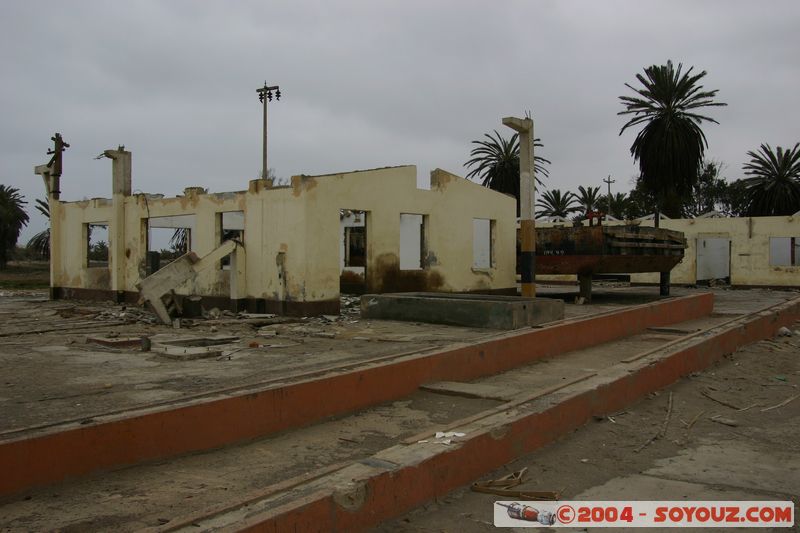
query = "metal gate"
x=713 y=258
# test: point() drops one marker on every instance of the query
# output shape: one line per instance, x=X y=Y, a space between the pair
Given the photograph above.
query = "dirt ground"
x=698 y=459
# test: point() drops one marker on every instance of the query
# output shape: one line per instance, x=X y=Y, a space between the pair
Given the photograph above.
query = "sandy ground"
x=758 y=459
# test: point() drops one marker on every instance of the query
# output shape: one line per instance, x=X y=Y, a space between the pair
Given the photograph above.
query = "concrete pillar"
x=238 y=275
x=52 y=185
x=526 y=201
x=121 y=190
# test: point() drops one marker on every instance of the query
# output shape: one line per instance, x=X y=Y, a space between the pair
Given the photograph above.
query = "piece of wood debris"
x=725 y=421
x=721 y=402
x=663 y=429
x=784 y=402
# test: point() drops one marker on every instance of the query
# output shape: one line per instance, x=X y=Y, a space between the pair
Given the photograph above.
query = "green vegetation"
x=12 y=219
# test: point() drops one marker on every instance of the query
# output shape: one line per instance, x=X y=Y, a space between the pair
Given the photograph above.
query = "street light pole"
x=265 y=95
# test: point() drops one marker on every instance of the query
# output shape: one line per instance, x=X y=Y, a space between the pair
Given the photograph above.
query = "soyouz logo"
x=660 y=514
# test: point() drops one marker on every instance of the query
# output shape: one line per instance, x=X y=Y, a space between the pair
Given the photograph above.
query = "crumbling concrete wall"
x=750 y=262
x=290 y=261
x=750 y=258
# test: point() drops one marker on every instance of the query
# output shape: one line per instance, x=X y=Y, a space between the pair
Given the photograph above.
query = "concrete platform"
x=44 y=455
x=471 y=310
x=364 y=493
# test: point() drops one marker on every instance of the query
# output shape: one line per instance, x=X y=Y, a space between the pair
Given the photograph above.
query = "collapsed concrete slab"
x=473 y=310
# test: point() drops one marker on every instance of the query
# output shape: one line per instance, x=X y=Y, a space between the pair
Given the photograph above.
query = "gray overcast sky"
x=368 y=84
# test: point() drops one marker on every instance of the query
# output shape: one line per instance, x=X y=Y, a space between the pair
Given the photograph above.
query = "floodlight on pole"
x=264 y=96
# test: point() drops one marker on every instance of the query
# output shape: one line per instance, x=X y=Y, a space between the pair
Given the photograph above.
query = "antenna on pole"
x=608 y=181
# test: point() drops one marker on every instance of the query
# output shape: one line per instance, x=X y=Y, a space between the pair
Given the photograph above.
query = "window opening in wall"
x=482 y=246
x=412 y=241
x=353 y=250
x=784 y=251
x=168 y=238
x=97 y=245
x=232 y=228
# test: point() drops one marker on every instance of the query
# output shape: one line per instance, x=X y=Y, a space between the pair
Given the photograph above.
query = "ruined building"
x=292 y=246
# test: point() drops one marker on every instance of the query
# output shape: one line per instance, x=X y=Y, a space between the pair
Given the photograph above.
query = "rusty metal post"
x=526 y=200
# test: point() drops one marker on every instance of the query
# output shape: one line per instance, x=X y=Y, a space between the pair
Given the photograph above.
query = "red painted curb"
x=56 y=454
x=391 y=492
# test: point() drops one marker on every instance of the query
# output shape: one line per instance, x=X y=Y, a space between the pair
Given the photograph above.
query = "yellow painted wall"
x=298 y=226
x=750 y=250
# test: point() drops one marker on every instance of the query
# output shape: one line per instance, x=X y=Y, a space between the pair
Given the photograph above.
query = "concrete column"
x=121 y=189
x=238 y=275
x=52 y=186
x=526 y=201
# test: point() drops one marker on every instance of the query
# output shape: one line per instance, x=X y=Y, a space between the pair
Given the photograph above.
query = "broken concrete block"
x=115 y=341
x=472 y=310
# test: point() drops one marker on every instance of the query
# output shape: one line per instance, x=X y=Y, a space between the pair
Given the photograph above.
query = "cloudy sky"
x=369 y=83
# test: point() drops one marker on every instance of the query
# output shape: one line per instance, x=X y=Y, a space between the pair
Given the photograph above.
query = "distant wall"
x=754 y=259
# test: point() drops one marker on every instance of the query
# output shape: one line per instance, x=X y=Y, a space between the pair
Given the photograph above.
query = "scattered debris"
x=503 y=486
x=448 y=434
x=784 y=332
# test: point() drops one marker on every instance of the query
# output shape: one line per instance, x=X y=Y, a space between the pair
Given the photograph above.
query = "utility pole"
x=608 y=181
x=526 y=199
x=264 y=96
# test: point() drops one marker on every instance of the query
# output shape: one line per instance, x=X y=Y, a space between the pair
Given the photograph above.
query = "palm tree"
x=589 y=198
x=40 y=243
x=671 y=145
x=555 y=204
x=619 y=207
x=774 y=182
x=496 y=163
x=12 y=218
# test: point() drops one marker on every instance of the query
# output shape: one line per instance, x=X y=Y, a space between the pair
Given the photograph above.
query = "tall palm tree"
x=589 y=198
x=12 y=218
x=670 y=146
x=39 y=244
x=495 y=162
x=774 y=182
x=555 y=204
